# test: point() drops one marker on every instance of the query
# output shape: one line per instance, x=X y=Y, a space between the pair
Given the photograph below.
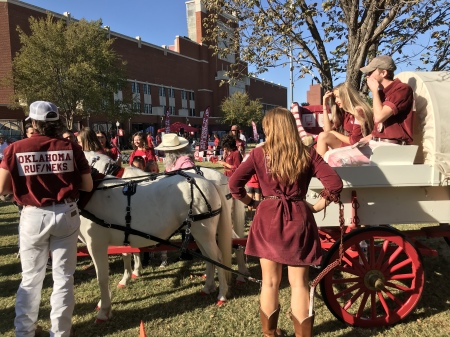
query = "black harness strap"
x=98 y=221
x=128 y=190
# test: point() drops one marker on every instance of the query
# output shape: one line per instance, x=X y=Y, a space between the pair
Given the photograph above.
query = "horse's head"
x=98 y=161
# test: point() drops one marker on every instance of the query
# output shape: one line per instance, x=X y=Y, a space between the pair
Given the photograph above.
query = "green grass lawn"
x=168 y=300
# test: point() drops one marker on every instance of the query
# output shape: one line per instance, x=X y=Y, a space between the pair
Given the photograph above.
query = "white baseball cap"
x=40 y=109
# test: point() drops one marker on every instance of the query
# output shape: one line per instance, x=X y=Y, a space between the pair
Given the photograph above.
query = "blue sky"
x=156 y=22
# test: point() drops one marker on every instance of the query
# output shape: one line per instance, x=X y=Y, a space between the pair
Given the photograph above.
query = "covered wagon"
x=381 y=278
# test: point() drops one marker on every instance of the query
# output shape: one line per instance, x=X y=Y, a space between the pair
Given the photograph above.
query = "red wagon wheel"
x=374 y=287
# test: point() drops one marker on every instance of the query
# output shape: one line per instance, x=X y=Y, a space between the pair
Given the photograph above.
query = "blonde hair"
x=285 y=153
x=353 y=103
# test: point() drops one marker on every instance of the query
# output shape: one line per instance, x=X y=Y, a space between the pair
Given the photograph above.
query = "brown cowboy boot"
x=303 y=328
x=269 y=323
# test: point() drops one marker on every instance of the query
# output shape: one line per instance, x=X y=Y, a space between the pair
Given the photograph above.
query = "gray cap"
x=40 y=109
x=383 y=62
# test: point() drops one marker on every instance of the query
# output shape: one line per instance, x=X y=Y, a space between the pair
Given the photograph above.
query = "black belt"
x=296 y=198
x=387 y=140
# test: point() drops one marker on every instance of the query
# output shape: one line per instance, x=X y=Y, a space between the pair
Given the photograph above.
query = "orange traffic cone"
x=142 y=330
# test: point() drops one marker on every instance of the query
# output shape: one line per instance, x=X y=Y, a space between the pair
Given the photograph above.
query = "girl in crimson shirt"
x=232 y=156
x=353 y=120
x=140 y=148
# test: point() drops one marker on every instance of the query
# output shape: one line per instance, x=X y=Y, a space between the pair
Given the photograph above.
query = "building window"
x=137 y=107
x=146 y=89
x=191 y=96
x=172 y=110
x=148 y=108
x=171 y=92
x=191 y=112
x=183 y=94
x=162 y=92
x=135 y=88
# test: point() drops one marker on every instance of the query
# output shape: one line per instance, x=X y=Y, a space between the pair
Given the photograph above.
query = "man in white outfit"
x=45 y=173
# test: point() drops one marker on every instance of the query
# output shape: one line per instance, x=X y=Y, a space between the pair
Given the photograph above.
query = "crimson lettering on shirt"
x=49 y=162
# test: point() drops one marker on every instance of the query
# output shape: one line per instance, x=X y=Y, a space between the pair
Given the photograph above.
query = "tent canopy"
x=175 y=127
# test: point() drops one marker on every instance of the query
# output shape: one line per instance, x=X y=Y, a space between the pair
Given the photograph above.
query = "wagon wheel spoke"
x=363 y=304
x=398 y=286
x=402 y=276
x=382 y=254
x=346 y=280
x=351 y=301
x=373 y=307
x=393 y=297
x=383 y=302
x=392 y=258
x=348 y=290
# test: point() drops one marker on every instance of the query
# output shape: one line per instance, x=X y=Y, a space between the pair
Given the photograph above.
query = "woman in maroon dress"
x=284 y=230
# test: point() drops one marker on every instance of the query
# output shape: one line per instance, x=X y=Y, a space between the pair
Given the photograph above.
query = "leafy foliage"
x=239 y=109
x=330 y=38
x=72 y=65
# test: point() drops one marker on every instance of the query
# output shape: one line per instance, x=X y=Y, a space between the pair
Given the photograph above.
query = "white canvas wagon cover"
x=432 y=117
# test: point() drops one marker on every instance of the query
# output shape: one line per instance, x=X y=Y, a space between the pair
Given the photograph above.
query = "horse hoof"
x=220 y=303
x=134 y=276
x=240 y=283
x=100 y=321
x=120 y=286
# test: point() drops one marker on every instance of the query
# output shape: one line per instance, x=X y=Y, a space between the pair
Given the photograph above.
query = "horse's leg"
x=127 y=270
x=240 y=259
x=204 y=235
x=210 y=284
x=137 y=270
x=96 y=239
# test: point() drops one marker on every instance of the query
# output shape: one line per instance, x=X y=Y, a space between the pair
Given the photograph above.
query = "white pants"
x=42 y=229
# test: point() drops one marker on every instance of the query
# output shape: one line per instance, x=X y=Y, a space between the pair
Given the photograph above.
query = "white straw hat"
x=170 y=141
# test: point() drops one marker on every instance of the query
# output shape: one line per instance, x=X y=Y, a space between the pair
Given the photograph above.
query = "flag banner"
x=255 y=132
x=167 y=121
x=204 y=136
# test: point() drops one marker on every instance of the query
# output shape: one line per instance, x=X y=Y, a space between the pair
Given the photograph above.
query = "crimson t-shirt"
x=399 y=97
x=45 y=169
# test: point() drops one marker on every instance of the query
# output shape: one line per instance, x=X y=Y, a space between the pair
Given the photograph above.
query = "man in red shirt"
x=45 y=174
x=392 y=102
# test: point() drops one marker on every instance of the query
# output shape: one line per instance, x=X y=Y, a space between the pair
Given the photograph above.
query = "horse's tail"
x=225 y=230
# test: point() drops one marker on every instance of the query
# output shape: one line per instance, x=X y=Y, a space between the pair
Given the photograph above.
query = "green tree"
x=72 y=65
x=330 y=38
x=239 y=109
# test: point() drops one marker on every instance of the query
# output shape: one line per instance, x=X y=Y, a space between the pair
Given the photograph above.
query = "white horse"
x=151 y=201
x=228 y=205
x=231 y=205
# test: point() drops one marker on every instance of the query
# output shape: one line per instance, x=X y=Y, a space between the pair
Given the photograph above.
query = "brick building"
x=183 y=78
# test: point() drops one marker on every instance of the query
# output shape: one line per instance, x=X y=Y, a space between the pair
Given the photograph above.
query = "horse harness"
x=129 y=189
